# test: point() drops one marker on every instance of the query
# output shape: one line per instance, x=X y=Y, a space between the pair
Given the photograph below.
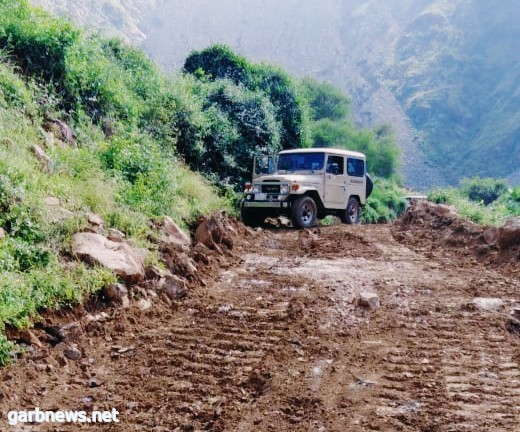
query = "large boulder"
x=214 y=231
x=509 y=234
x=122 y=259
x=173 y=235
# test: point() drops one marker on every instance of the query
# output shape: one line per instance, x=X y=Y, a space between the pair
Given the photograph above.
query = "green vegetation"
x=132 y=130
x=122 y=165
x=485 y=201
x=332 y=127
x=386 y=203
x=247 y=107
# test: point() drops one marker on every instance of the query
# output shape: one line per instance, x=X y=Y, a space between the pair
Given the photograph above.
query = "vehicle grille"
x=270 y=188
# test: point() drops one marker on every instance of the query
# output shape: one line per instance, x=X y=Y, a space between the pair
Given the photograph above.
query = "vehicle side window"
x=333 y=162
x=355 y=167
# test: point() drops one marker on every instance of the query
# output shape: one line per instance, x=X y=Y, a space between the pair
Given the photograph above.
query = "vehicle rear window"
x=355 y=167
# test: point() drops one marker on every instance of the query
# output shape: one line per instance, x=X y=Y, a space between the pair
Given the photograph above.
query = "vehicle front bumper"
x=266 y=204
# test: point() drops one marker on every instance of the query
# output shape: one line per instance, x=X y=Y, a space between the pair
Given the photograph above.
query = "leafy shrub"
x=379 y=147
x=476 y=210
x=37 y=42
x=486 y=190
x=386 y=203
x=291 y=110
x=325 y=100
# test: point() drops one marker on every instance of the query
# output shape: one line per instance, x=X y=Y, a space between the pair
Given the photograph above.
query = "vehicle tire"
x=251 y=217
x=352 y=214
x=304 y=212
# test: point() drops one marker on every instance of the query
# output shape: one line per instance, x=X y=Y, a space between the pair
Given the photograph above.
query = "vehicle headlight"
x=284 y=189
x=257 y=188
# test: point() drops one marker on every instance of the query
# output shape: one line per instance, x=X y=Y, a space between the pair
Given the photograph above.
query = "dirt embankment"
x=272 y=336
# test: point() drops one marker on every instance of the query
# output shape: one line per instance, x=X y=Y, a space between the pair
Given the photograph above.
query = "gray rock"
x=368 y=300
x=72 y=353
x=122 y=259
x=144 y=304
x=41 y=156
x=174 y=287
x=488 y=303
x=172 y=234
x=2 y=233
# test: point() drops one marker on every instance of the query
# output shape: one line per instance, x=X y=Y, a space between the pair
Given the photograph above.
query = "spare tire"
x=369 y=186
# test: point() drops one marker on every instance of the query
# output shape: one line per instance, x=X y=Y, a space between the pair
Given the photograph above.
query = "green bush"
x=325 y=100
x=37 y=42
x=485 y=190
x=291 y=108
x=495 y=212
x=386 y=203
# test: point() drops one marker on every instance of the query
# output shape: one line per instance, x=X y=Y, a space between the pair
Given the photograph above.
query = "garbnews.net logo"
x=38 y=416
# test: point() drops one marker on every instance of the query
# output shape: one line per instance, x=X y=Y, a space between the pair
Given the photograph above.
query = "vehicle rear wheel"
x=304 y=212
x=352 y=214
x=252 y=217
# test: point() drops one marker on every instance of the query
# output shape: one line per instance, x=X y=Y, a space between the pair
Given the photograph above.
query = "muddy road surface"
x=275 y=339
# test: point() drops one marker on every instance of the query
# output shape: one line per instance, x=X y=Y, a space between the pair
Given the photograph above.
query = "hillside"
x=444 y=75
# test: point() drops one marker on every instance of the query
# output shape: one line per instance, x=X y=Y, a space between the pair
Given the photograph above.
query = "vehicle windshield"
x=301 y=161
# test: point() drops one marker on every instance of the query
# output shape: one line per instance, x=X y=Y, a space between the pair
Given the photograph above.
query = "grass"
x=494 y=214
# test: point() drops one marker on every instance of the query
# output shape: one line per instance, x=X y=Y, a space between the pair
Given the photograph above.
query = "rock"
x=95 y=220
x=121 y=258
x=439 y=210
x=174 y=287
x=2 y=233
x=488 y=303
x=154 y=272
x=115 y=235
x=94 y=382
x=72 y=353
x=28 y=337
x=172 y=234
x=144 y=304
x=41 y=156
x=60 y=129
x=201 y=253
x=117 y=293
x=210 y=232
x=186 y=264
x=509 y=234
x=368 y=300
x=55 y=213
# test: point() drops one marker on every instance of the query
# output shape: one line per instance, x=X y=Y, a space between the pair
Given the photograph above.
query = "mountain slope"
x=444 y=74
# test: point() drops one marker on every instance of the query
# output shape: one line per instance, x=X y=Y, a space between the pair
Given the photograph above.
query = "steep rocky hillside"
x=444 y=74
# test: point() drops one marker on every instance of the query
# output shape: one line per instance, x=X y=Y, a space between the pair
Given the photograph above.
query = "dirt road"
x=275 y=341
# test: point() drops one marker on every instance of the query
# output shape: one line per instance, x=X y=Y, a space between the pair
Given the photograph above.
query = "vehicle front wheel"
x=304 y=212
x=252 y=218
x=352 y=214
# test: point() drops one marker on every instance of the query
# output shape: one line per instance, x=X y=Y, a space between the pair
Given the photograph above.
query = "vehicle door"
x=356 y=178
x=335 y=182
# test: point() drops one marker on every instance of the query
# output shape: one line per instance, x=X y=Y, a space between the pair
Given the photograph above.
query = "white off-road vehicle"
x=306 y=185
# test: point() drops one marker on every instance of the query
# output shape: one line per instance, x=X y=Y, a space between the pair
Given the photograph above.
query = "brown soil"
x=270 y=338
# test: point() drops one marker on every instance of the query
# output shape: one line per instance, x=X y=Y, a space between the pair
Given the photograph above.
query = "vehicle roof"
x=342 y=152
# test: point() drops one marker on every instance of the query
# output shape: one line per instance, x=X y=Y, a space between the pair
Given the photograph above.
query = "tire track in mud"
x=278 y=343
